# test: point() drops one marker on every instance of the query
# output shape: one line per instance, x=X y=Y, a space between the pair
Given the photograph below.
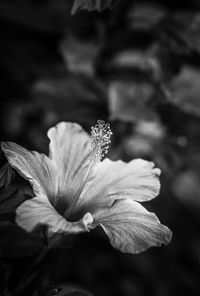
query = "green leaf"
x=91 y=5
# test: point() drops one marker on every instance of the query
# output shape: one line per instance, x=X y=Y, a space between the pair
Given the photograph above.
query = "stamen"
x=100 y=134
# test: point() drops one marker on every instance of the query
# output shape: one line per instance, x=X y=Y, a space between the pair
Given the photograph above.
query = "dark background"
x=138 y=67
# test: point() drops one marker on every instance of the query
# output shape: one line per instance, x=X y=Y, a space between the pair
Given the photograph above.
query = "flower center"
x=100 y=140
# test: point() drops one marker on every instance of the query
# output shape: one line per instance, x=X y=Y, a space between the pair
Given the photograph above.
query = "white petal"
x=38 y=211
x=35 y=167
x=70 y=148
x=137 y=180
x=131 y=228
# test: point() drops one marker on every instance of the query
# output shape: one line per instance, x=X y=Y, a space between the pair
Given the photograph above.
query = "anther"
x=100 y=135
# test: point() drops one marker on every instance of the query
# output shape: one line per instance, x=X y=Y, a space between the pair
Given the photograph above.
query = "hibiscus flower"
x=75 y=190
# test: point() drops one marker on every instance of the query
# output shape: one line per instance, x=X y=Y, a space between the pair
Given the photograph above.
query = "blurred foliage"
x=136 y=65
x=91 y=5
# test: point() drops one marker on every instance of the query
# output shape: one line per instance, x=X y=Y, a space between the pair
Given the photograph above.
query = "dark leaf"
x=52 y=292
x=180 y=31
x=6 y=175
x=70 y=98
x=186 y=187
x=47 y=16
x=16 y=242
x=91 y=5
x=185 y=89
x=130 y=102
x=187 y=28
x=10 y=199
x=145 y=16
x=72 y=291
x=79 y=56
x=146 y=140
x=143 y=61
x=4 y=275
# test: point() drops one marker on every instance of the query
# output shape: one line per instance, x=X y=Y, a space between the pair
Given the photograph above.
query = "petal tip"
x=63 y=127
x=168 y=236
x=9 y=149
x=4 y=146
x=157 y=171
x=87 y=221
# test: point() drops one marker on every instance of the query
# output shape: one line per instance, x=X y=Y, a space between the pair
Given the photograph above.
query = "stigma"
x=100 y=136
